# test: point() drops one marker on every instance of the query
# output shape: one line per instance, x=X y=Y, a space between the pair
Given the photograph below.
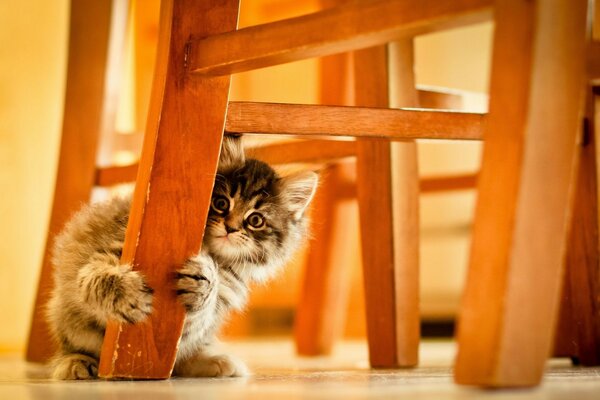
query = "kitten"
x=255 y=223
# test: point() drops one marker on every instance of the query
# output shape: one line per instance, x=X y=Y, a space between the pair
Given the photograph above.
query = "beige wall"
x=33 y=34
x=32 y=61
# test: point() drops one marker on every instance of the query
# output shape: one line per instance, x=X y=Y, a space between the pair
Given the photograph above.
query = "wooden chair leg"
x=87 y=116
x=321 y=312
x=388 y=200
x=578 y=333
x=173 y=188
x=514 y=281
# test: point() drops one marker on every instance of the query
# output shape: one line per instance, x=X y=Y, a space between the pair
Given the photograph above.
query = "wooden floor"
x=279 y=374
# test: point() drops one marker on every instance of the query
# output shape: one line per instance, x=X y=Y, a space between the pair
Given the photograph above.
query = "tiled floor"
x=279 y=374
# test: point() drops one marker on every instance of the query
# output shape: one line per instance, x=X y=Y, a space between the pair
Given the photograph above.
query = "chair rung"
x=316 y=120
x=437 y=184
x=305 y=151
x=351 y=26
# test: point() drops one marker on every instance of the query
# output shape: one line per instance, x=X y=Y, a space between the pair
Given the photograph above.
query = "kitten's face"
x=246 y=218
x=255 y=215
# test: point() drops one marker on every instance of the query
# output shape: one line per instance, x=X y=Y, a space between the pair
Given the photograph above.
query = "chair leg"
x=86 y=115
x=578 y=335
x=519 y=239
x=388 y=199
x=321 y=311
x=173 y=188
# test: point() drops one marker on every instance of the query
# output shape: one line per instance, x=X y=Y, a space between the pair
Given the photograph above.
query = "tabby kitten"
x=255 y=223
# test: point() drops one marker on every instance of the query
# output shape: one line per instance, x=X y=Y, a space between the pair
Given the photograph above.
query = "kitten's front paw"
x=217 y=366
x=75 y=366
x=196 y=281
x=133 y=298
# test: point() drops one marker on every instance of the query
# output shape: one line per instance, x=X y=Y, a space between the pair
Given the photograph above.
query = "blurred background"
x=33 y=46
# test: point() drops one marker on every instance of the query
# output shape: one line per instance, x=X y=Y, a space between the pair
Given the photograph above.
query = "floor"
x=279 y=374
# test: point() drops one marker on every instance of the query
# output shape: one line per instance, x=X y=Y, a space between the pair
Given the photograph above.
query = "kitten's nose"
x=230 y=229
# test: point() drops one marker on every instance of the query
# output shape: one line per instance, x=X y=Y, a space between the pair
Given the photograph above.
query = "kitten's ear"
x=298 y=190
x=232 y=153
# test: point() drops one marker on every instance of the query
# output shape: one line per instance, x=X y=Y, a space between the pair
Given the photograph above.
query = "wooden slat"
x=314 y=120
x=519 y=238
x=448 y=183
x=115 y=175
x=87 y=115
x=404 y=203
x=323 y=303
x=578 y=335
x=389 y=249
x=173 y=190
x=305 y=151
x=350 y=26
x=322 y=306
x=594 y=62
x=440 y=99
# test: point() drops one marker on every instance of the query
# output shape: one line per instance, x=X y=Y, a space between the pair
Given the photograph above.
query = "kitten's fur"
x=92 y=287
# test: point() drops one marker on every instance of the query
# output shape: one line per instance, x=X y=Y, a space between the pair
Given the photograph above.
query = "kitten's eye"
x=220 y=204
x=256 y=220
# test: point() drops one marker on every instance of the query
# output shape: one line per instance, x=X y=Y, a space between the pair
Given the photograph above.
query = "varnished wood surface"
x=513 y=285
x=315 y=120
x=404 y=203
x=594 y=62
x=435 y=184
x=440 y=99
x=304 y=151
x=85 y=115
x=351 y=26
x=389 y=262
x=321 y=312
x=578 y=335
x=323 y=303
x=172 y=195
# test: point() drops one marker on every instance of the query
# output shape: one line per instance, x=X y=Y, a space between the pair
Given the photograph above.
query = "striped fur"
x=255 y=224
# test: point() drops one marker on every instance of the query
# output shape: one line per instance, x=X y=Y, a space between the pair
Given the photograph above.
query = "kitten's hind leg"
x=116 y=291
x=205 y=364
x=74 y=366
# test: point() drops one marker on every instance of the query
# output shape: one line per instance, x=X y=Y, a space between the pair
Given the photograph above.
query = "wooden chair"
x=503 y=339
x=88 y=125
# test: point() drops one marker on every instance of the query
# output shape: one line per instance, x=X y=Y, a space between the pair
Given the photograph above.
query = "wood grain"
x=322 y=306
x=594 y=62
x=440 y=99
x=316 y=120
x=519 y=239
x=578 y=334
x=171 y=199
x=351 y=26
x=304 y=151
x=86 y=114
x=387 y=253
x=404 y=201
x=445 y=183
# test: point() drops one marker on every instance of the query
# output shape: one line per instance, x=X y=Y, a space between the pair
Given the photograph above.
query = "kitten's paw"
x=75 y=366
x=217 y=366
x=133 y=298
x=196 y=281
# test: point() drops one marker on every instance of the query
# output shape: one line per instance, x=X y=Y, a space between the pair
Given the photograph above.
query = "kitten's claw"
x=196 y=281
x=133 y=299
x=75 y=367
